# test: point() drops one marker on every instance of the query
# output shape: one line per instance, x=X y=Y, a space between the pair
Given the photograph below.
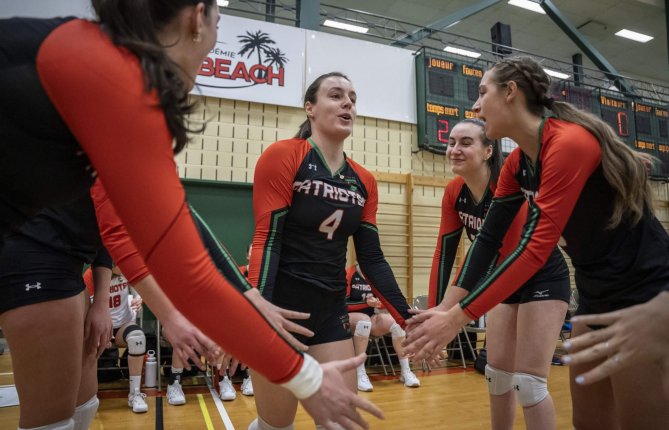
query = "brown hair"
x=133 y=24
x=310 y=96
x=624 y=169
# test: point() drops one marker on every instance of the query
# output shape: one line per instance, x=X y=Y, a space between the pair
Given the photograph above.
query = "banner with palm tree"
x=255 y=61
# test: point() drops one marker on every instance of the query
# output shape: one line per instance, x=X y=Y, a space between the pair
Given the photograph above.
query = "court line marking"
x=205 y=413
x=219 y=406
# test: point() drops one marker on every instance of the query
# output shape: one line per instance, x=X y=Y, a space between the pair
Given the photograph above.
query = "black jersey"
x=304 y=216
x=568 y=196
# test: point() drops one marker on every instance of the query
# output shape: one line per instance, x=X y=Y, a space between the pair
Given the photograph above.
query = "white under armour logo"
x=37 y=286
x=313 y=167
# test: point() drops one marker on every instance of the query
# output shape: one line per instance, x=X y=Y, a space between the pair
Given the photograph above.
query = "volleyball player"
x=367 y=316
x=308 y=199
x=521 y=331
x=588 y=189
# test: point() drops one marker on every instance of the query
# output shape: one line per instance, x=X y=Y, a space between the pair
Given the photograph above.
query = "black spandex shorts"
x=329 y=315
x=536 y=290
x=33 y=273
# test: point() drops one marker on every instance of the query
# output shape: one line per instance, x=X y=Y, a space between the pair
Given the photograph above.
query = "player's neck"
x=478 y=183
x=331 y=149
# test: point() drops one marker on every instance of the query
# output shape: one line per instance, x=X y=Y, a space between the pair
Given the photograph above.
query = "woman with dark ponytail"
x=588 y=191
x=108 y=100
x=520 y=331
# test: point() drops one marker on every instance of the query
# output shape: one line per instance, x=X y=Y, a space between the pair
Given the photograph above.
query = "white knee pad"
x=363 y=328
x=531 y=389
x=67 y=424
x=136 y=341
x=259 y=424
x=499 y=382
x=84 y=413
x=396 y=331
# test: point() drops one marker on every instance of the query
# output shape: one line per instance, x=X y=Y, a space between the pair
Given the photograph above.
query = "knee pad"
x=396 y=331
x=363 y=328
x=135 y=339
x=259 y=424
x=67 y=424
x=530 y=389
x=84 y=414
x=499 y=382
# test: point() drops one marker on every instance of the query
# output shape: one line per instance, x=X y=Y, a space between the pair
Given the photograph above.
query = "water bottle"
x=150 y=369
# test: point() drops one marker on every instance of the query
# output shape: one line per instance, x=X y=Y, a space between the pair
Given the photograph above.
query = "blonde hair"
x=624 y=169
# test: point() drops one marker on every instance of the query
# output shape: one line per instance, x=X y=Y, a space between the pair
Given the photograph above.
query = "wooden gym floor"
x=452 y=398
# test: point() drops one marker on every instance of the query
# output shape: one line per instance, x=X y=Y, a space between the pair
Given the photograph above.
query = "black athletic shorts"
x=536 y=290
x=33 y=273
x=329 y=314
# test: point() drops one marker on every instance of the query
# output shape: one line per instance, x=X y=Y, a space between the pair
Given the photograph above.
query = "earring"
x=197 y=37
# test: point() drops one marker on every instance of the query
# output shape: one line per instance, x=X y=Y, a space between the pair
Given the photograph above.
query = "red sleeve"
x=272 y=196
x=98 y=90
x=115 y=237
x=88 y=280
x=562 y=180
x=450 y=230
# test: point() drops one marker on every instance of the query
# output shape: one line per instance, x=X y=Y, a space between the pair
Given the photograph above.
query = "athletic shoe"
x=247 y=387
x=410 y=380
x=136 y=402
x=363 y=382
x=226 y=390
x=175 y=395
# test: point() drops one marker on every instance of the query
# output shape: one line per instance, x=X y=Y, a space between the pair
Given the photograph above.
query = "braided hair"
x=624 y=169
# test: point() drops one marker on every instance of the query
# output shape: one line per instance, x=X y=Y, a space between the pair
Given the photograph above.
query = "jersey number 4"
x=331 y=223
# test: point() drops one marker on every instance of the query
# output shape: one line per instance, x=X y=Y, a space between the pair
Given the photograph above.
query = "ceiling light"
x=460 y=51
x=557 y=74
x=223 y=3
x=528 y=4
x=344 y=26
x=639 y=37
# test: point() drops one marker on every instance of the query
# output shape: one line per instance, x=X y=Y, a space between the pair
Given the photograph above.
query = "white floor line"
x=219 y=406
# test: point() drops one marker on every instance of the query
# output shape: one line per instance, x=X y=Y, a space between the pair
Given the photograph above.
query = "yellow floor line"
x=205 y=413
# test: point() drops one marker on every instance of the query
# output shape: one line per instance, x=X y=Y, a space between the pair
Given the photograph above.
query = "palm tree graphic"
x=257 y=42
x=275 y=57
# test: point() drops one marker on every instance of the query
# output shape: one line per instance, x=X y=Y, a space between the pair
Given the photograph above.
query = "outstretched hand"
x=189 y=342
x=633 y=335
x=430 y=331
x=280 y=318
x=334 y=405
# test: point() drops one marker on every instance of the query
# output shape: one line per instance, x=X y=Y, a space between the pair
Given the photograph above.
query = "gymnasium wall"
x=237 y=132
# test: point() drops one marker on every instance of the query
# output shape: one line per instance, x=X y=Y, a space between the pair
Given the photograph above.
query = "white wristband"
x=308 y=381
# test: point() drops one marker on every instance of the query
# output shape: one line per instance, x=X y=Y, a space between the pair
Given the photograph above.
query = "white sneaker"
x=226 y=390
x=175 y=395
x=410 y=380
x=136 y=402
x=247 y=387
x=363 y=382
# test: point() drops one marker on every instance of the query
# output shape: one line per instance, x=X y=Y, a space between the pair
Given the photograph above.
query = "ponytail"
x=624 y=169
x=133 y=24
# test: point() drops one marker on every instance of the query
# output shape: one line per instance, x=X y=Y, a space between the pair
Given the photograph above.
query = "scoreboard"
x=447 y=88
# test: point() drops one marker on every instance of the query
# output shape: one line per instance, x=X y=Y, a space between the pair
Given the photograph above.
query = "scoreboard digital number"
x=618 y=114
x=449 y=90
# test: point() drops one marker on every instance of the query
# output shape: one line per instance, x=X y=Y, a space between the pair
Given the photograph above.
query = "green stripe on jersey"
x=533 y=221
x=274 y=222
